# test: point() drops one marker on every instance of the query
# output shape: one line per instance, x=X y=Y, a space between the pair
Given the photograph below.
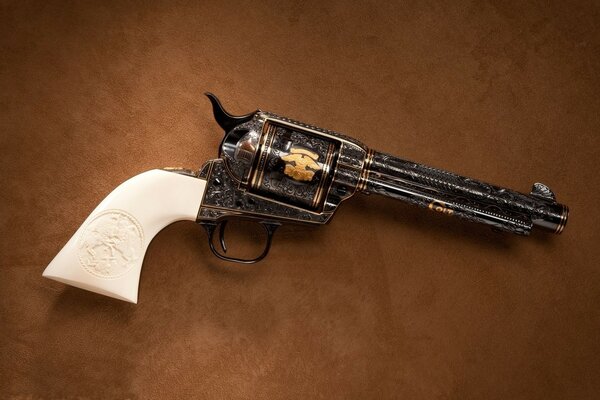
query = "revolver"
x=273 y=170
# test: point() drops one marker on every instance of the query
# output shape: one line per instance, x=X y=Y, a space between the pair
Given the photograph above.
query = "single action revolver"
x=273 y=170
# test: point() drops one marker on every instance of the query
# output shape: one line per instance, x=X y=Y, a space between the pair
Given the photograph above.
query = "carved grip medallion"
x=110 y=244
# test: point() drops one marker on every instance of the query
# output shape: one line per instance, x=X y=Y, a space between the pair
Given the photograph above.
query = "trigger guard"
x=222 y=226
x=269 y=226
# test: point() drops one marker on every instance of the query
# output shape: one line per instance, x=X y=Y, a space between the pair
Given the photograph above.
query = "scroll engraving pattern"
x=222 y=198
x=276 y=182
x=514 y=204
x=352 y=156
x=314 y=128
x=461 y=206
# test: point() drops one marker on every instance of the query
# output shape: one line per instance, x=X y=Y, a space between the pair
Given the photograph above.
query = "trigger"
x=222 y=236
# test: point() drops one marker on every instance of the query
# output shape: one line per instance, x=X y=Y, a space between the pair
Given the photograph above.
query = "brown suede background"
x=386 y=302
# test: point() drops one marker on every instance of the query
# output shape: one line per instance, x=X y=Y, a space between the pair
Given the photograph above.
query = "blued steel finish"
x=464 y=197
x=223 y=199
x=273 y=170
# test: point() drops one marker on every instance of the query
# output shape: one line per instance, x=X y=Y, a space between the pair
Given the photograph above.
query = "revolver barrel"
x=467 y=198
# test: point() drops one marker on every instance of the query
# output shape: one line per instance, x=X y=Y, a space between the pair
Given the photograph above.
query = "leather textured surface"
x=385 y=302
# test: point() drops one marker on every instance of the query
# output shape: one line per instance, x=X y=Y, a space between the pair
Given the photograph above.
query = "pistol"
x=272 y=170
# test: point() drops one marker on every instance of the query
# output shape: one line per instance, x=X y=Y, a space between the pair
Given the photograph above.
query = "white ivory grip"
x=105 y=255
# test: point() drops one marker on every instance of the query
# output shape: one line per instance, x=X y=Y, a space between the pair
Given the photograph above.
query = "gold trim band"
x=324 y=176
x=264 y=149
x=364 y=175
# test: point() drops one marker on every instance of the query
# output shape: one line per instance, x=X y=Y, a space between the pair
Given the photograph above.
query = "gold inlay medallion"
x=301 y=164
